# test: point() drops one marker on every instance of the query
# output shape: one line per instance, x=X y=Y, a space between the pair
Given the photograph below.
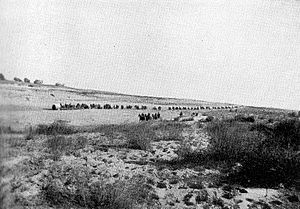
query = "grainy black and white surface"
x=216 y=123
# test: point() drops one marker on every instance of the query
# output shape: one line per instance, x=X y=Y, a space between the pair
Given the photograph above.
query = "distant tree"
x=26 y=80
x=2 y=78
x=17 y=79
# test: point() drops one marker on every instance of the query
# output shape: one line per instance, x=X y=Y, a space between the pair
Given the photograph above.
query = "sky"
x=237 y=51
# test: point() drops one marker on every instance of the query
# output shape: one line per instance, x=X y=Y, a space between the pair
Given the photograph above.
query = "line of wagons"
x=79 y=106
x=202 y=108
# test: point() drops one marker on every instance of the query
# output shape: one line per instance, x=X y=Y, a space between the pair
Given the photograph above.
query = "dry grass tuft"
x=55 y=128
x=70 y=186
x=60 y=145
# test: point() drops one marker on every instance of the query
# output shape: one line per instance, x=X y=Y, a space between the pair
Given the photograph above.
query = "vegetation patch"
x=55 y=128
x=253 y=155
x=3 y=192
x=59 y=145
x=71 y=186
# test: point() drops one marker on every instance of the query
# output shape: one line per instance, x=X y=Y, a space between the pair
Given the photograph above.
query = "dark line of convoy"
x=79 y=106
x=137 y=107
x=202 y=108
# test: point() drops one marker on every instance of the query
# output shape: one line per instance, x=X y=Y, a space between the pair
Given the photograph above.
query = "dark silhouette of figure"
x=142 y=117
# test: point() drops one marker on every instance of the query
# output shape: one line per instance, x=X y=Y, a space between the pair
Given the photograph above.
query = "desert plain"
x=198 y=154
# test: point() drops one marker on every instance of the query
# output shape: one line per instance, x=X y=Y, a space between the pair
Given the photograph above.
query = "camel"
x=17 y=79
x=26 y=80
x=38 y=82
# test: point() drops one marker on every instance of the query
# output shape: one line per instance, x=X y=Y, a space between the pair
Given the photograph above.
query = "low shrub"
x=242 y=118
x=30 y=133
x=210 y=118
x=135 y=135
x=267 y=156
x=3 y=193
x=281 y=134
x=16 y=142
x=71 y=186
x=139 y=136
x=2 y=185
x=9 y=130
x=55 y=128
x=286 y=134
x=231 y=141
x=59 y=145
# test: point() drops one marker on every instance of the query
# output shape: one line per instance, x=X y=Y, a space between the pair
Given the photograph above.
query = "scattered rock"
x=212 y=185
x=154 y=196
x=276 y=202
x=188 y=203
x=150 y=181
x=236 y=207
x=238 y=201
x=218 y=202
x=195 y=185
x=264 y=205
x=186 y=199
x=103 y=149
x=173 y=181
x=182 y=187
x=228 y=195
x=161 y=185
x=171 y=203
x=227 y=188
x=241 y=190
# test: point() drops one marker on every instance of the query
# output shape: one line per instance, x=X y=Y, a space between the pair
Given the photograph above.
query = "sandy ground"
x=22 y=106
x=178 y=188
